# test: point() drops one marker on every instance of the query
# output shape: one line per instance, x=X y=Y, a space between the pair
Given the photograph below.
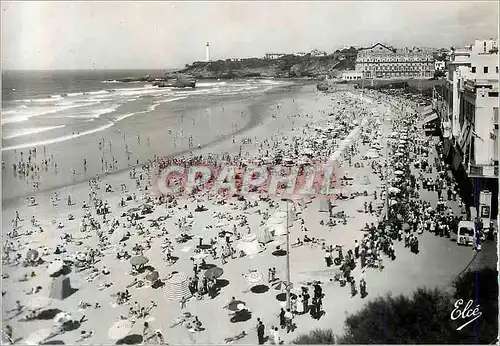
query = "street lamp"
x=288 y=281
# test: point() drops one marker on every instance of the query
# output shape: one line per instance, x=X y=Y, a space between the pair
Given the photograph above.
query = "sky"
x=149 y=35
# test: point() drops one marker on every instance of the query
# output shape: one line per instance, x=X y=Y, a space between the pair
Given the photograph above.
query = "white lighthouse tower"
x=207 y=52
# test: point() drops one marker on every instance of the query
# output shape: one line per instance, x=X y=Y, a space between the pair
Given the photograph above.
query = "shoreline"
x=257 y=112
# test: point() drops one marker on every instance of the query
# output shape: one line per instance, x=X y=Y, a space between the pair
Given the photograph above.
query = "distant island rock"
x=288 y=66
x=172 y=80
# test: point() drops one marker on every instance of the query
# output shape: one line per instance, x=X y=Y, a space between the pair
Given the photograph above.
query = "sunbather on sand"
x=236 y=337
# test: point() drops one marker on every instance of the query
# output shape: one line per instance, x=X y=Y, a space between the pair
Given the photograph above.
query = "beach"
x=287 y=119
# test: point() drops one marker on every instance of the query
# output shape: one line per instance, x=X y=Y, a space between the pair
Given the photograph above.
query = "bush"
x=423 y=318
x=316 y=337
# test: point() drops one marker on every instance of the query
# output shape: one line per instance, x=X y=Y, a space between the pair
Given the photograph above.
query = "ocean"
x=44 y=107
x=77 y=116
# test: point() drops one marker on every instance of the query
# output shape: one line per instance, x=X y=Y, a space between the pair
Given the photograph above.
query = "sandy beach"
x=283 y=120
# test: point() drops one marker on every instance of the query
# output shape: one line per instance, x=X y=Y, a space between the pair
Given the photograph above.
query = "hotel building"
x=382 y=62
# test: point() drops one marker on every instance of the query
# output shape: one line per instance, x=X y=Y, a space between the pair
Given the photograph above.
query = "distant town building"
x=274 y=56
x=300 y=54
x=467 y=107
x=439 y=65
x=352 y=75
x=316 y=52
x=383 y=62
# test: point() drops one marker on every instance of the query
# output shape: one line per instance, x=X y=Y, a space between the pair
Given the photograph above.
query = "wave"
x=31 y=131
x=35 y=112
x=110 y=81
x=100 y=92
x=57 y=139
x=153 y=106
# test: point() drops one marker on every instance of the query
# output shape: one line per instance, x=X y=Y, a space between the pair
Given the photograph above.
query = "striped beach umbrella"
x=177 y=287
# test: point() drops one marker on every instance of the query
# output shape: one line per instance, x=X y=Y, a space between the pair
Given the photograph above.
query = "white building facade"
x=382 y=62
x=352 y=75
x=468 y=106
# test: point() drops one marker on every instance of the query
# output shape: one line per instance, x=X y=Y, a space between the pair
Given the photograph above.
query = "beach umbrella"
x=277 y=242
x=38 y=303
x=398 y=172
x=55 y=267
x=138 y=261
x=236 y=305
x=120 y=329
x=406 y=226
x=62 y=317
x=133 y=210
x=280 y=285
x=177 y=287
x=214 y=273
x=32 y=255
x=254 y=277
x=118 y=235
x=38 y=337
x=200 y=256
x=153 y=276
x=393 y=189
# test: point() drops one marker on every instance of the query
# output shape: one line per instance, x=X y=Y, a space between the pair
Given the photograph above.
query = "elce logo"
x=467 y=312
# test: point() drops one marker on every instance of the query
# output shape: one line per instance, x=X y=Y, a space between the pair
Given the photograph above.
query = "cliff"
x=289 y=66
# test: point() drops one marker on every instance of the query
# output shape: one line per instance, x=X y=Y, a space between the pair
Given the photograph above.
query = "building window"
x=496 y=69
x=485 y=69
x=473 y=69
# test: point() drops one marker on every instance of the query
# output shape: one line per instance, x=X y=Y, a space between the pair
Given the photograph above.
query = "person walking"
x=288 y=320
x=260 y=331
x=145 y=331
x=306 y=297
x=362 y=287
x=282 y=318
x=276 y=336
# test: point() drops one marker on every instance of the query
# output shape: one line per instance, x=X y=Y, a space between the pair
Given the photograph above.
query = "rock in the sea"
x=323 y=86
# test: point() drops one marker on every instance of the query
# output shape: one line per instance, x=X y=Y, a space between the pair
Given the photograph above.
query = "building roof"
x=381 y=45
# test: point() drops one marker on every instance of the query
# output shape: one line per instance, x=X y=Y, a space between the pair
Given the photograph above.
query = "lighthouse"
x=207 y=52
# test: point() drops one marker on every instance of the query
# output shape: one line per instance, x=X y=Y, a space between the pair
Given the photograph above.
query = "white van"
x=466 y=233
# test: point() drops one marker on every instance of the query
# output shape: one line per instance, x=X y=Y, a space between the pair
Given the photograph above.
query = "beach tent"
x=372 y=154
x=264 y=236
x=282 y=217
x=365 y=180
x=324 y=205
x=177 y=287
x=249 y=245
x=277 y=229
x=60 y=288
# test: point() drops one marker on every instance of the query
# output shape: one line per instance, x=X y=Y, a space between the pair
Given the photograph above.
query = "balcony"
x=482 y=171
